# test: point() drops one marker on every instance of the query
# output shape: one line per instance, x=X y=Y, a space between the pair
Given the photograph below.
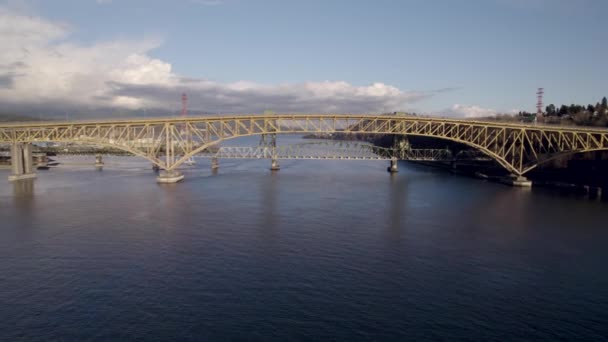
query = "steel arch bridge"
x=169 y=142
x=333 y=150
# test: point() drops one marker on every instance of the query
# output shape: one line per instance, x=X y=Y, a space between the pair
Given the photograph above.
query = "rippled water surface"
x=319 y=250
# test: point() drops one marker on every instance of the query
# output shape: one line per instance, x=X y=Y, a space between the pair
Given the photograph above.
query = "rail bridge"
x=170 y=142
x=335 y=150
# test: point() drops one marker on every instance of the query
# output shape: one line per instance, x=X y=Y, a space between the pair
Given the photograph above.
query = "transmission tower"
x=184 y=104
x=539 y=101
x=183 y=130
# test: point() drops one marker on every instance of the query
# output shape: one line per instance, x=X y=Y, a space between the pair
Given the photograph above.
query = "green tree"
x=575 y=109
x=582 y=118
x=550 y=110
x=590 y=108
x=604 y=103
x=563 y=110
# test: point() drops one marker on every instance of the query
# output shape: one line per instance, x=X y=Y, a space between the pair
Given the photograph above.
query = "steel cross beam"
x=317 y=151
x=328 y=150
x=169 y=142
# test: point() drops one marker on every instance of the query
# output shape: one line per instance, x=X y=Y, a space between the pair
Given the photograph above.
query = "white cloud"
x=40 y=66
x=467 y=111
x=240 y=97
x=472 y=111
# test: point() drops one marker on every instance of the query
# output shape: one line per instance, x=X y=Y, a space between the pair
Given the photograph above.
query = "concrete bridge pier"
x=401 y=146
x=171 y=176
x=517 y=180
x=598 y=194
x=98 y=161
x=215 y=164
x=593 y=192
x=393 y=166
x=42 y=161
x=22 y=162
x=274 y=165
x=453 y=166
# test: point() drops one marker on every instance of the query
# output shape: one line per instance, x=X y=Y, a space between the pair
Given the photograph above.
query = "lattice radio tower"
x=539 y=100
x=184 y=104
x=183 y=130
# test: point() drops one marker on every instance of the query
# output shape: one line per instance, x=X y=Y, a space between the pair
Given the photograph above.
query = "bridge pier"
x=215 y=164
x=393 y=166
x=171 y=176
x=274 y=165
x=42 y=161
x=593 y=193
x=98 y=161
x=401 y=146
x=21 y=162
x=517 y=180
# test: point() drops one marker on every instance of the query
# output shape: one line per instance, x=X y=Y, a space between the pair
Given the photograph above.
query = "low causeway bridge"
x=170 y=142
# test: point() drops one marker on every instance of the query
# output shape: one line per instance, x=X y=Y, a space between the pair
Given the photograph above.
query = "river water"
x=320 y=250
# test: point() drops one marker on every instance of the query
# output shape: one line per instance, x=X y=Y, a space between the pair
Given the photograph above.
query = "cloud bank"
x=472 y=111
x=468 y=111
x=41 y=68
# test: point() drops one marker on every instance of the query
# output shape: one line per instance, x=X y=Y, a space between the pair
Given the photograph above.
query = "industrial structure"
x=516 y=147
x=539 y=101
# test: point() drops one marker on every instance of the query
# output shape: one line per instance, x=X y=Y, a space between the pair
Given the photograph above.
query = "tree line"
x=590 y=115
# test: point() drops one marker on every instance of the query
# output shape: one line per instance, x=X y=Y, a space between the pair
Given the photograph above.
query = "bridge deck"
x=517 y=147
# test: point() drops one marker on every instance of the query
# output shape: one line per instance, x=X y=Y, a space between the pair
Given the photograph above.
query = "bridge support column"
x=401 y=146
x=517 y=180
x=28 y=160
x=270 y=146
x=42 y=161
x=171 y=176
x=22 y=162
x=393 y=166
x=274 y=165
x=17 y=159
x=98 y=161
x=593 y=193
x=215 y=164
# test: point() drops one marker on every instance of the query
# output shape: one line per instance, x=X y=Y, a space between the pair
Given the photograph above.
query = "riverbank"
x=493 y=173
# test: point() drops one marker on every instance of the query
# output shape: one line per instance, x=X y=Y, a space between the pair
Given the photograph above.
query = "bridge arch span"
x=128 y=149
x=486 y=151
x=518 y=148
x=561 y=155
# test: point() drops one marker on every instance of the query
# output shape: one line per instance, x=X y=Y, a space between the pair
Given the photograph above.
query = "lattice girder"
x=168 y=142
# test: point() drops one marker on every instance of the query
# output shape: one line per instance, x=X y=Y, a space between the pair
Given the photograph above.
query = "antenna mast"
x=184 y=104
x=539 y=101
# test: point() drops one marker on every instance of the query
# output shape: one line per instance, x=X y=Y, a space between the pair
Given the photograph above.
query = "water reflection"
x=23 y=188
x=268 y=192
x=23 y=191
x=510 y=203
x=397 y=189
x=24 y=212
x=315 y=247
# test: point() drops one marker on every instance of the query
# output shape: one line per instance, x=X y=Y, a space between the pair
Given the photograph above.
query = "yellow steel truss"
x=169 y=142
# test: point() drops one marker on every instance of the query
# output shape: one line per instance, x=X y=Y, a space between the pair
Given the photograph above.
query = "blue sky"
x=460 y=58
